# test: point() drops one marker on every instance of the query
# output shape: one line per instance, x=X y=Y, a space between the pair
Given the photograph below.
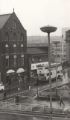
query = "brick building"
x=14 y=52
x=13 y=44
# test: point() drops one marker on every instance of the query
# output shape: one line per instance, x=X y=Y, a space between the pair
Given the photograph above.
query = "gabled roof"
x=3 y=19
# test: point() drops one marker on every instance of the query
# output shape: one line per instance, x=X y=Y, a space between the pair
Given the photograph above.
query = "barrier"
x=7 y=106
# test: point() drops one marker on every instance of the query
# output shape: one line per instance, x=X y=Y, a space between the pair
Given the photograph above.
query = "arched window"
x=7 y=60
x=22 y=60
x=14 y=45
x=6 y=45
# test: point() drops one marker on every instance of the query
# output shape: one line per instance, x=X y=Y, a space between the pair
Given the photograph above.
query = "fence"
x=30 y=108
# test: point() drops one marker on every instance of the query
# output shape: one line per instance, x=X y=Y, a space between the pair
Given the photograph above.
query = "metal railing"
x=30 y=108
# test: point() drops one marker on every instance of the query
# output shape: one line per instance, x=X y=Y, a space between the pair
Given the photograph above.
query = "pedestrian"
x=4 y=95
x=61 y=101
x=17 y=99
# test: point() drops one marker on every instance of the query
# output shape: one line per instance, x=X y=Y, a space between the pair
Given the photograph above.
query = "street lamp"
x=56 y=43
x=48 y=29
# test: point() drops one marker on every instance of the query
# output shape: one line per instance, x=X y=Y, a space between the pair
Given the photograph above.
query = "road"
x=33 y=91
x=47 y=87
x=20 y=116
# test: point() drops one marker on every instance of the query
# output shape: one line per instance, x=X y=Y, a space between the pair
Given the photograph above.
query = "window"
x=21 y=45
x=7 y=60
x=22 y=55
x=14 y=45
x=15 y=60
x=6 y=45
x=7 y=57
x=15 y=56
x=22 y=59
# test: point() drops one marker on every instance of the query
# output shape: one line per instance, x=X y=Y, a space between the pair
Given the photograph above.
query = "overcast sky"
x=34 y=14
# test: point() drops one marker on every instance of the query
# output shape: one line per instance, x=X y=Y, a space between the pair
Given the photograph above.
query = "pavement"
x=31 y=94
x=16 y=115
x=29 y=102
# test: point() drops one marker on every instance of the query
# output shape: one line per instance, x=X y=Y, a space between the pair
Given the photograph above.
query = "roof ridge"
x=3 y=19
x=5 y=14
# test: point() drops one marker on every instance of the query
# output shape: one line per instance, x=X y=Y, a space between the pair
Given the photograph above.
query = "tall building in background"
x=64 y=44
x=64 y=32
x=68 y=52
x=68 y=45
x=56 y=51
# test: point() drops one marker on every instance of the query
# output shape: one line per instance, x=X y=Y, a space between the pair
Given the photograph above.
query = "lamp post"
x=49 y=29
x=37 y=87
x=56 y=43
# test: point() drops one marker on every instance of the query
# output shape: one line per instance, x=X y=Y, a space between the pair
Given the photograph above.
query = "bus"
x=43 y=71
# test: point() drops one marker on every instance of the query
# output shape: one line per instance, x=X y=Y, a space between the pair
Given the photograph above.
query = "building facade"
x=64 y=43
x=56 y=51
x=68 y=45
x=13 y=45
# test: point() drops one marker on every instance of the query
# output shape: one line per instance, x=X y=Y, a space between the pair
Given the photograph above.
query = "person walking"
x=61 y=101
x=4 y=95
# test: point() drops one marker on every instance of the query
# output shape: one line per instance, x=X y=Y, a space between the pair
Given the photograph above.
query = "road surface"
x=19 y=116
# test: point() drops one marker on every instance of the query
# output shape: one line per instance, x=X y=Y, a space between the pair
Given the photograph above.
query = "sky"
x=33 y=14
